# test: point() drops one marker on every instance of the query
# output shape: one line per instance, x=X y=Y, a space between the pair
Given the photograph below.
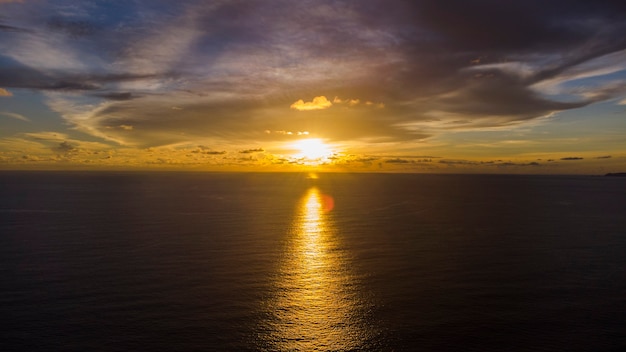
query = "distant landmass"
x=616 y=174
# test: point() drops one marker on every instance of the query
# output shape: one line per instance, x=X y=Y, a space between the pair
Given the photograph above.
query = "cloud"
x=318 y=103
x=250 y=151
x=206 y=150
x=353 y=102
x=288 y=133
x=513 y=164
x=116 y=96
x=55 y=142
x=224 y=73
x=47 y=136
x=499 y=164
x=5 y=93
x=27 y=77
x=458 y=162
x=7 y=28
x=65 y=147
x=572 y=158
x=15 y=116
x=397 y=161
x=211 y=152
x=73 y=28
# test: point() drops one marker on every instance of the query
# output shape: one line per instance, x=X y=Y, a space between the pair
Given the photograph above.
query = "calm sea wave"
x=104 y=261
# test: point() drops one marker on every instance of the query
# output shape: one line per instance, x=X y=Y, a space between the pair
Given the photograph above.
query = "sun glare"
x=312 y=149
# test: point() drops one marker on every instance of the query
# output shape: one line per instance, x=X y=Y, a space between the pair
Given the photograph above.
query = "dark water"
x=282 y=262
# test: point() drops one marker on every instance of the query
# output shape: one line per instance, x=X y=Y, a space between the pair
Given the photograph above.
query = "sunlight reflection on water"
x=317 y=305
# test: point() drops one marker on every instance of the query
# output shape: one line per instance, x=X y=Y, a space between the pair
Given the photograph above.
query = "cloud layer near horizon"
x=153 y=73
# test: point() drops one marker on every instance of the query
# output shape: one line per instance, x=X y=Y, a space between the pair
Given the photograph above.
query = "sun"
x=312 y=149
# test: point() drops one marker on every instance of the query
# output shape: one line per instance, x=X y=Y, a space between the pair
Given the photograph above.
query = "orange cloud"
x=318 y=103
x=5 y=93
x=354 y=102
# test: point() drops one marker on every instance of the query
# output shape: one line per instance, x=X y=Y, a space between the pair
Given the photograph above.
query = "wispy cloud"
x=47 y=136
x=5 y=93
x=15 y=116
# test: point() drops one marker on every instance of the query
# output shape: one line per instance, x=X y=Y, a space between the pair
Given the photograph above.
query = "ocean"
x=174 y=261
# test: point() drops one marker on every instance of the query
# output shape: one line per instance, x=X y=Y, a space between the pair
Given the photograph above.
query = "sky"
x=450 y=86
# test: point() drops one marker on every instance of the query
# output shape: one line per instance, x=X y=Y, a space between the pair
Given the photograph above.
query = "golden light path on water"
x=318 y=306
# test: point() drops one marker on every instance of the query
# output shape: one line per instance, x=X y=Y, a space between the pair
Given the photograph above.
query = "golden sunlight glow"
x=312 y=149
x=317 y=302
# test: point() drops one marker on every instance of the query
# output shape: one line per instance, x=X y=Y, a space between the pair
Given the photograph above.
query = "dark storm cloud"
x=493 y=26
x=117 y=96
x=232 y=69
x=499 y=94
x=443 y=38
